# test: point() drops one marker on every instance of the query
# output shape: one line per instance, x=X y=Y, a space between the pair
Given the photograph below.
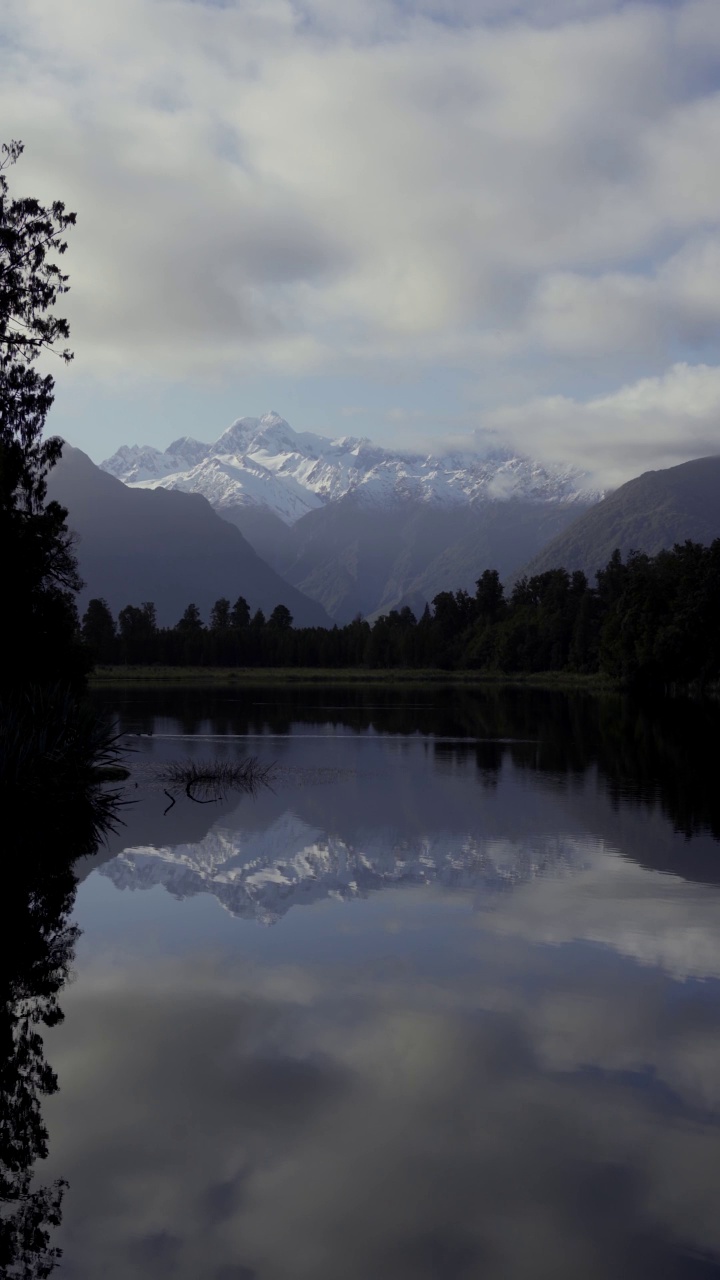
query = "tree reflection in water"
x=659 y=751
x=37 y=943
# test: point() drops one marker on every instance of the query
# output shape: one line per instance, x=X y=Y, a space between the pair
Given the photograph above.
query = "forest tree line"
x=648 y=619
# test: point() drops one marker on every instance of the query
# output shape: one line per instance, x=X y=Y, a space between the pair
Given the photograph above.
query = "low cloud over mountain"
x=262 y=462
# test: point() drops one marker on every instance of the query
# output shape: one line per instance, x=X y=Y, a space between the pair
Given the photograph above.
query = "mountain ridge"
x=167 y=547
x=264 y=462
x=354 y=560
x=649 y=513
x=360 y=528
x=290 y=864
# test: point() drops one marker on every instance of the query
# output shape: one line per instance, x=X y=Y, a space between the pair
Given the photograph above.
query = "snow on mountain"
x=134 y=463
x=228 y=481
x=263 y=462
x=138 y=463
x=261 y=875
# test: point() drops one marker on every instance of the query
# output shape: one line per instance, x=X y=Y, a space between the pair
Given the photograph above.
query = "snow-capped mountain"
x=260 y=875
x=264 y=463
x=168 y=547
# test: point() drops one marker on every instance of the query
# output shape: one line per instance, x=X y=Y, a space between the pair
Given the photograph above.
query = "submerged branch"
x=214 y=777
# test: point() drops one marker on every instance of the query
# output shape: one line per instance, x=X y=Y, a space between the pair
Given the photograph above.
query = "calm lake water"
x=443 y=1001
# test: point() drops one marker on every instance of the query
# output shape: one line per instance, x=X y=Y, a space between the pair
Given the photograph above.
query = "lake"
x=440 y=1001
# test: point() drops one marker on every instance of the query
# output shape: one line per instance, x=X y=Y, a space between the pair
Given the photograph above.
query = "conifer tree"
x=220 y=615
x=240 y=613
x=98 y=630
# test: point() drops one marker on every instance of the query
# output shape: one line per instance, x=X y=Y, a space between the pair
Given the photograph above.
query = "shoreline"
x=224 y=677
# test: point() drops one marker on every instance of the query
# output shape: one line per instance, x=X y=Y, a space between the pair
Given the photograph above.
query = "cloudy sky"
x=411 y=219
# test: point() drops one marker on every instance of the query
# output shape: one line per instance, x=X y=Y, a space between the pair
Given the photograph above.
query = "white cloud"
x=375 y=187
x=651 y=423
x=618 y=311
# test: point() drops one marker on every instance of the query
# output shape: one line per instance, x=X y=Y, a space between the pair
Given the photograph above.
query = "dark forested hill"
x=356 y=558
x=165 y=546
x=650 y=513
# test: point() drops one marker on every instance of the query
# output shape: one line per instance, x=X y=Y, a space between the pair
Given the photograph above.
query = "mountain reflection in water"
x=481 y=1037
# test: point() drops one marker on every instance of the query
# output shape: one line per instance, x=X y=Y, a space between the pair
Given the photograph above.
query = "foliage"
x=220 y=616
x=135 y=629
x=281 y=618
x=648 y=620
x=99 y=631
x=240 y=613
x=41 y=575
x=53 y=748
x=30 y=283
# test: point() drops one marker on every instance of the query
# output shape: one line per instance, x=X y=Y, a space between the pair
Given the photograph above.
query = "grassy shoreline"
x=219 y=677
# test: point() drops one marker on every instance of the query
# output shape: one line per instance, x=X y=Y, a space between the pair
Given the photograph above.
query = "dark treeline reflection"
x=37 y=941
x=660 y=752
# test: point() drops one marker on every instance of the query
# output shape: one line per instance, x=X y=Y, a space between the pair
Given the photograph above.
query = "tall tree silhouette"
x=40 y=572
x=220 y=615
x=98 y=630
x=240 y=613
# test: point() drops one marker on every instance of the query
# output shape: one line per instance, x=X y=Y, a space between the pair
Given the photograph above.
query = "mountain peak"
x=187 y=449
x=267 y=464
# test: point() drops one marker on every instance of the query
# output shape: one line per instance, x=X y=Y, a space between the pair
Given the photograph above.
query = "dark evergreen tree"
x=40 y=576
x=281 y=618
x=220 y=615
x=98 y=631
x=489 y=596
x=191 y=620
x=137 y=629
x=240 y=613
